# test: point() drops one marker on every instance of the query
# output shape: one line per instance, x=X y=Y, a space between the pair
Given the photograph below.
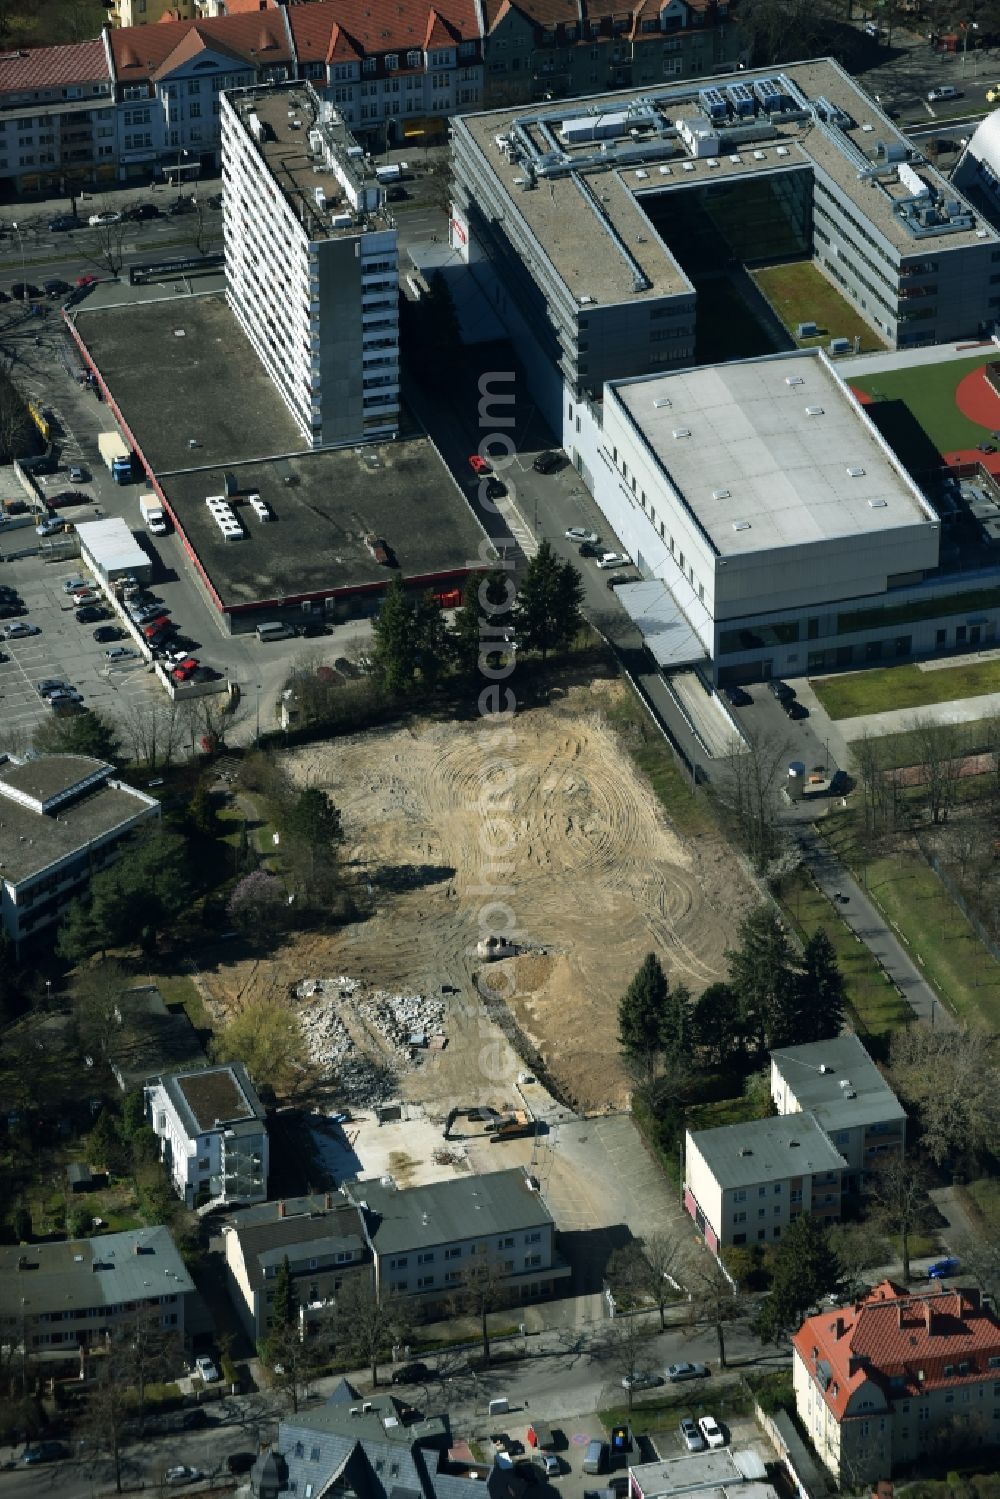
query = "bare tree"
x=660 y=1255
x=107 y=1408
x=15 y=423
x=940 y=747
x=149 y=1352
x=154 y=730
x=96 y=990
x=294 y=1361
x=104 y=245
x=752 y=792
x=897 y=1192
x=715 y=1300
x=951 y=1081
x=626 y=1335
x=484 y=1289
x=366 y=1324
x=860 y=1248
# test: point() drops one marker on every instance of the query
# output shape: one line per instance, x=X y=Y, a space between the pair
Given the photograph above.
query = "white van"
x=276 y=630
x=945 y=91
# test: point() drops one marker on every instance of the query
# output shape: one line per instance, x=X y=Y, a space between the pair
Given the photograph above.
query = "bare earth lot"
x=438 y=815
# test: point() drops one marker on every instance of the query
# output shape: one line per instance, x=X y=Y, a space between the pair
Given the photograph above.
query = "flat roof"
x=712 y=1471
x=31 y=840
x=740 y=1155
x=44 y=779
x=140 y=1265
x=582 y=221
x=209 y=386
x=772 y=452
x=837 y=1082
x=213 y=1097
x=468 y=1207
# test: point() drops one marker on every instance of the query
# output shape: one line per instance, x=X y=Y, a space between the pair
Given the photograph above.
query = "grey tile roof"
x=466 y=1207
x=337 y=1230
x=868 y=1099
x=77 y=1273
x=741 y=1155
x=212 y=1097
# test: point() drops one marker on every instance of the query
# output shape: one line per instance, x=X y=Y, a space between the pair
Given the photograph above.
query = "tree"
x=940 y=749
x=394 y=648
x=107 y=1408
x=806 y=1269
x=715 y=1300
x=822 y=1012
x=258 y=904
x=313 y=824
x=139 y=896
x=430 y=637
x=948 y=1078
x=751 y=793
x=626 y=1336
x=104 y=245
x=765 y=980
x=640 y=1015
x=267 y=1037
x=96 y=990
x=547 y=613
x=88 y=733
x=479 y=624
x=716 y=1022
x=484 y=1289
x=146 y=1352
x=201 y=811
x=860 y=1248
x=15 y=423
x=294 y=1361
x=897 y=1192
x=660 y=1254
x=366 y=1324
x=285 y=1306
x=104 y=1143
x=780 y=30
x=78 y=936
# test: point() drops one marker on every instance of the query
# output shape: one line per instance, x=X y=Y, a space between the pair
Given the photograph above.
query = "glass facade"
x=762 y=218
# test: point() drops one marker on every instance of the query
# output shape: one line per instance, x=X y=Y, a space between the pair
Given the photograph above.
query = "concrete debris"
x=339 y=1015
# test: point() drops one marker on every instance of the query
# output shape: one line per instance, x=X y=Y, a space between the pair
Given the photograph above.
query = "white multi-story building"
x=213 y=1138
x=896 y=1376
x=312 y=270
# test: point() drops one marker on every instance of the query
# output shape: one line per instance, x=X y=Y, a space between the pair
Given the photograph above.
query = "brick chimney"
x=281 y=1208
x=928 y=1316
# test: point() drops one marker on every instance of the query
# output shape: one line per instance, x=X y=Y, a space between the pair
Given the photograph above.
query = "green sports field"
x=928 y=393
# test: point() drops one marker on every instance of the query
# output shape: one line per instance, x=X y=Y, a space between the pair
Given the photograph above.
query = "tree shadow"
x=396 y=878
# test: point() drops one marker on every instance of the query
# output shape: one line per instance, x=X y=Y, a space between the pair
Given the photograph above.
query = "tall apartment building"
x=213 y=1134
x=312 y=270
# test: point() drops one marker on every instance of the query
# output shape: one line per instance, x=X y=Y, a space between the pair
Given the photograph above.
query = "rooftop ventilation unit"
x=736 y=159
x=682 y=432
x=745 y=1150
x=878 y=504
x=689 y=166
x=854 y=472
x=642 y=174
x=741 y=525
x=660 y=401
x=782 y=150
x=713 y=161
x=794 y=380
x=759 y=156
x=666 y=172
x=814 y=411
x=982 y=234
x=720 y=494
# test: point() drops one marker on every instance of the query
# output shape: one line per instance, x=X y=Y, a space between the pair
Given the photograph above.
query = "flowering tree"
x=258 y=902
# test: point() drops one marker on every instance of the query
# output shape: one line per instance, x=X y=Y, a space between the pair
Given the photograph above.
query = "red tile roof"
x=146 y=51
x=900 y=1342
x=52 y=67
x=551 y=14
x=328 y=28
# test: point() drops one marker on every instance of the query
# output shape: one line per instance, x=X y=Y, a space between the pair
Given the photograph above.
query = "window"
x=740 y=1217
x=535 y=1238
x=453 y=1254
x=423 y=1281
x=314 y=1454
x=507 y=1243
x=400 y=1263
x=427 y=1258
x=777 y=1189
x=761 y=1191
x=391 y=62
x=531 y=1261
x=414 y=59
x=741 y=1195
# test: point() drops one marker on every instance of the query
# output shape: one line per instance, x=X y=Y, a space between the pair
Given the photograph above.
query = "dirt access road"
x=436 y=816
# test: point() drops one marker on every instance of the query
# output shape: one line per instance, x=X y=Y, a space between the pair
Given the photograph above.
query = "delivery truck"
x=153 y=514
x=116 y=454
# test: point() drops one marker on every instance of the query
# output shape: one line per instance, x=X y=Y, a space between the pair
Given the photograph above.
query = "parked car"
x=108 y=632
x=56 y=287
x=70 y=585
x=51 y=684
x=780 y=690
x=67 y=497
x=180 y=1475
x=204 y=1366
x=119 y=653
x=64 y=697
x=187 y=668
x=140 y=211
x=240 y=1462
x=24 y=291
x=479 y=465
x=78 y=474
x=91 y=613
x=63 y=221
x=44 y=1452
x=691 y=1436
x=109 y=216
x=617 y=579
x=579 y=533
x=161 y=625
x=794 y=709
x=180 y=205
x=644 y=1379
x=84 y=596
x=943 y=91
x=19 y=629
x=612 y=559
x=942 y=1269
x=11 y=608
x=495 y=488
x=215 y=201
x=50 y=526
x=677 y=1372
x=549 y=1464
x=711 y=1431
x=737 y=697
x=87 y=279
x=547 y=462
x=415 y=1373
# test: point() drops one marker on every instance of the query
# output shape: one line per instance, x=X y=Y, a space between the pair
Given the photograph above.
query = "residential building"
x=57 y=119
x=58 y=1299
x=149 y=1038
x=553 y=49
x=896 y=1376
x=312 y=271
x=213 y=1135
x=590 y=224
x=837 y=1082
x=429 y=1241
x=62 y=818
x=324 y=1241
x=745 y=1183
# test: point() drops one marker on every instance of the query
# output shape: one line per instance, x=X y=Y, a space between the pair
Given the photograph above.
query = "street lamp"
x=180 y=152
x=257 y=740
x=20 y=239
x=969 y=26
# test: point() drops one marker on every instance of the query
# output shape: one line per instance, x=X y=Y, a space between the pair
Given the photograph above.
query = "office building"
x=311 y=262
x=212 y=1132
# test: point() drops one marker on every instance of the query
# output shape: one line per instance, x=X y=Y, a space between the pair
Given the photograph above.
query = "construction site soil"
x=542 y=830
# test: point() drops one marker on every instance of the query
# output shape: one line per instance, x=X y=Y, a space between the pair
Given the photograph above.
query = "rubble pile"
x=398 y=1017
x=395 y=1019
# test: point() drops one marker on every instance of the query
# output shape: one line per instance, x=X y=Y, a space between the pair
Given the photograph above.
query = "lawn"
x=874 y=1003
x=929 y=395
x=904 y=748
x=729 y=1397
x=984 y=1201
x=799 y=293
x=45 y=23
x=894 y=687
x=651 y=753
x=936 y=934
x=180 y=989
x=725 y=1111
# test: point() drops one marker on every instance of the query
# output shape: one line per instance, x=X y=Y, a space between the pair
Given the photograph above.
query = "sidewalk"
x=870 y=927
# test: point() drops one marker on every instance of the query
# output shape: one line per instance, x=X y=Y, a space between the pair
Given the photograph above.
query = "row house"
x=554 y=49
x=896 y=1378
x=57 y=118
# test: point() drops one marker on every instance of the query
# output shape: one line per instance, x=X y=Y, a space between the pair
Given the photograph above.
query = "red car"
x=83 y=596
x=185 y=669
x=86 y=280
x=67 y=497
x=479 y=465
x=156 y=625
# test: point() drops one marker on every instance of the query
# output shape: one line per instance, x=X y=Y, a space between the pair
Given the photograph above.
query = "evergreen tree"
x=314 y=820
x=484 y=613
x=548 y=606
x=80 y=734
x=676 y=1032
x=822 y=989
x=765 y=979
x=394 y=656
x=201 y=811
x=641 y=1012
x=806 y=1269
x=716 y=1023
x=285 y=1306
x=78 y=936
x=133 y=901
x=430 y=636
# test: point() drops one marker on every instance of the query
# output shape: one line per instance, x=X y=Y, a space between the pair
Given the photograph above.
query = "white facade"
x=312 y=268
x=213 y=1139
